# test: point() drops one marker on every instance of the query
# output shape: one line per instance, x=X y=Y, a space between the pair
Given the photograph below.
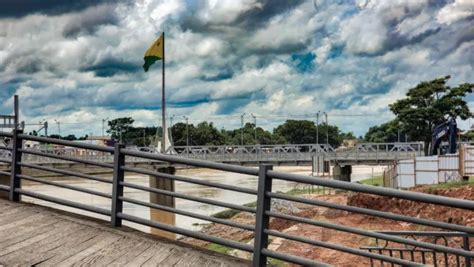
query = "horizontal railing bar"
x=65 y=172
x=189 y=214
x=381 y=191
x=5 y=134
x=185 y=232
x=376 y=213
x=4 y=187
x=292 y=259
x=396 y=249
x=5 y=148
x=5 y=173
x=426 y=233
x=70 y=187
x=191 y=180
x=192 y=162
x=188 y=197
x=66 y=143
x=66 y=158
x=378 y=235
x=63 y=202
x=342 y=248
x=6 y=161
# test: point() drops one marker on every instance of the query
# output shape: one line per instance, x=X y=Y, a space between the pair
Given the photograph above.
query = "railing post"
x=467 y=247
x=15 y=182
x=262 y=220
x=117 y=188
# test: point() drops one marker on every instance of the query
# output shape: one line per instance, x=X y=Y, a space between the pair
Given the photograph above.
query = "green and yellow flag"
x=154 y=53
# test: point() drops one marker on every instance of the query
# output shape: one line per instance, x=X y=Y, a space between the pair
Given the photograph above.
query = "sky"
x=80 y=62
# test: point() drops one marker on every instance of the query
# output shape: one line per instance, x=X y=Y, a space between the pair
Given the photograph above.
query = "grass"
x=376 y=181
x=449 y=185
x=229 y=213
x=276 y=262
x=219 y=248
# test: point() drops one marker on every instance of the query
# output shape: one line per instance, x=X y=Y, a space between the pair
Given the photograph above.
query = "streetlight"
x=242 y=129
x=317 y=127
x=327 y=128
x=187 y=133
x=59 y=127
x=103 y=125
x=255 y=126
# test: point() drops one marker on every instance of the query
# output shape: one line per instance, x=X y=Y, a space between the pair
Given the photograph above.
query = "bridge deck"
x=36 y=235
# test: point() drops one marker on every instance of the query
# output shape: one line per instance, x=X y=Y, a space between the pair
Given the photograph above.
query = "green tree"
x=304 y=132
x=428 y=104
x=206 y=134
x=383 y=133
x=118 y=127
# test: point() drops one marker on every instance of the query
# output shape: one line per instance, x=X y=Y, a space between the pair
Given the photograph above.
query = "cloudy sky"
x=80 y=63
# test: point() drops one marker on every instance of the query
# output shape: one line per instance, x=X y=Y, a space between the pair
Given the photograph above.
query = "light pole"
x=103 y=125
x=255 y=126
x=317 y=127
x=327 y=128
x=242 y=129
x=187 y=132
x=59 y=128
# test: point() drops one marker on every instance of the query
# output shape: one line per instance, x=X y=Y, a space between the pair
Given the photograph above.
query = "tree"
x=304 y=132
x=383 y=133
x=206 y=134
x=297 y=131
x=428 y=104
x=119 y=126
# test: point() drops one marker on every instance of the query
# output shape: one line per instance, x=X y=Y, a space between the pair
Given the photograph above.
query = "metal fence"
x=263 y=212
x=436 y=169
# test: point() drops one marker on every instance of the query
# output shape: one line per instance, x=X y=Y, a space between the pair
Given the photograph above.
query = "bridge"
x=366 y=153
x=457 y=251
x=286 y=154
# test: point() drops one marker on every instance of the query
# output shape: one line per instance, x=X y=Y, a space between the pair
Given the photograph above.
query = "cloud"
x=275 y=59
x=20 y=8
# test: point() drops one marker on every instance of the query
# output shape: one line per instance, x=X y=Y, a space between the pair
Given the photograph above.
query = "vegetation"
x=219 y=248
x=433 y=188
x=205 y=133
x=229 y=213
x=375 y=181
x=426 y=105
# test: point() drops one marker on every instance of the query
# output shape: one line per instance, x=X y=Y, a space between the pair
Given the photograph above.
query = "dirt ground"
x=337 y=258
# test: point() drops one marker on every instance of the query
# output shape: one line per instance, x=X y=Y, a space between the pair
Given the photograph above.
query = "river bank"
x=462 y=190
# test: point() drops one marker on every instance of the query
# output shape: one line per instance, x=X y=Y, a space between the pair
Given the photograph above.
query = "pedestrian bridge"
x=20 y=237
x=369 y=153
x=286 y=154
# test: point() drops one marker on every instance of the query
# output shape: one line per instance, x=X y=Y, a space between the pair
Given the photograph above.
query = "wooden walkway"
x=36 y=235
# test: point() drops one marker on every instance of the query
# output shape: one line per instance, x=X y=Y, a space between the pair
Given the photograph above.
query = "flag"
x=154 y=53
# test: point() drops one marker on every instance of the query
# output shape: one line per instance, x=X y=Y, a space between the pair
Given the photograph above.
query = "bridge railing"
x=263 y=212
x=303 y=152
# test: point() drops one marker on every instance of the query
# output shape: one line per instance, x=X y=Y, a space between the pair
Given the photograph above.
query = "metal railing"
x=422 y=255
x=263 y=211
x=298 y=153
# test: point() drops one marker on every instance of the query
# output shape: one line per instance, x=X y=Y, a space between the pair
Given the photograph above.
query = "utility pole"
x=317 y=127
x=103 y=125
x=327 y=128
x=59 y=128
x=242 y=129
x=255 y=126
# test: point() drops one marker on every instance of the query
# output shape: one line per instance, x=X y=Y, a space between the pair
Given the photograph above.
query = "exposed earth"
x=333 y=257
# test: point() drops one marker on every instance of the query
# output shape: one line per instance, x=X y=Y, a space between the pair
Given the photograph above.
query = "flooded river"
x=240 y=180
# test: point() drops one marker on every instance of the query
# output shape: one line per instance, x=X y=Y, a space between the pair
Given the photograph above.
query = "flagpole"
x=163 y=102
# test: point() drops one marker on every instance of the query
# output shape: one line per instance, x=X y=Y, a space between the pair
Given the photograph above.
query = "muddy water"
x=240 y=180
